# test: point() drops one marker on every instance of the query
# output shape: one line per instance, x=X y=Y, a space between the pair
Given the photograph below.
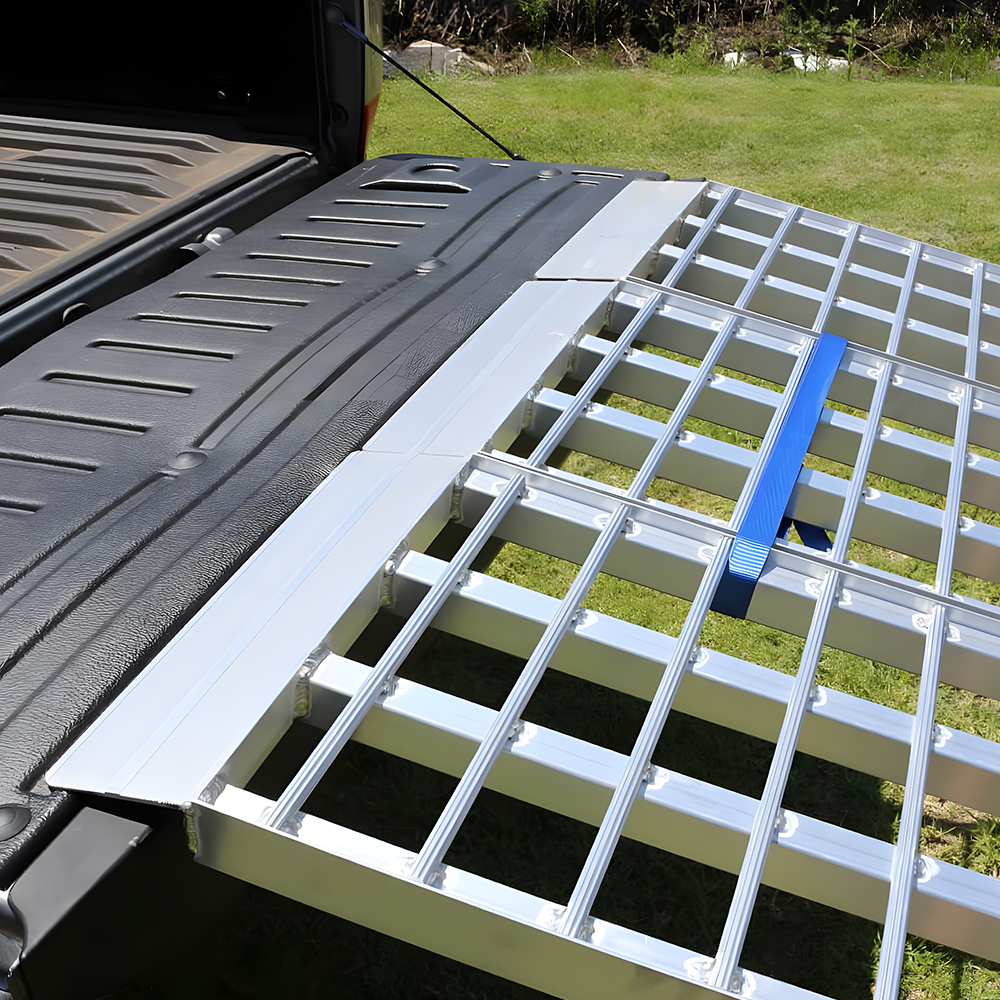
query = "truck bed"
x=74 y=196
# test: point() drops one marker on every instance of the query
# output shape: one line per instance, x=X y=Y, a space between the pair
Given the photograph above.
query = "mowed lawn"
x=909 y=157
x=912 y=157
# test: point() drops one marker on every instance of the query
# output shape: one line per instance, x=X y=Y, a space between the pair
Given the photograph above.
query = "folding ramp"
x=807 y=337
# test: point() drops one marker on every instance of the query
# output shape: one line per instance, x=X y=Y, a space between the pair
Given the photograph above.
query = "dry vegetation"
x=954 y=39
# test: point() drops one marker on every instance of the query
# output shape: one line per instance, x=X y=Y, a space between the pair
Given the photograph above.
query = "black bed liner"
x=121 y=146
x=148 y=448
x=277 y=75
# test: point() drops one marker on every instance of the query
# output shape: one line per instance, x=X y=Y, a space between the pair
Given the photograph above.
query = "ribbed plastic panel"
x=70 y=192
x=148 y=448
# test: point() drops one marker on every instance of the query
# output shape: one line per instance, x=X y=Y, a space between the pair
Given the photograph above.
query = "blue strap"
x=763 y=517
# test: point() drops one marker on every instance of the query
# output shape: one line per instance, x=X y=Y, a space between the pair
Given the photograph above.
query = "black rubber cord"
x=335 y=15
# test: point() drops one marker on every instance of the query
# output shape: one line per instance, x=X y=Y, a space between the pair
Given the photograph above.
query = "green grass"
x=913 y=158
x=903 y=156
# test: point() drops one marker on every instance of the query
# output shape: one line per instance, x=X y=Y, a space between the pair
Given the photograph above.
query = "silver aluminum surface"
x=731 y=280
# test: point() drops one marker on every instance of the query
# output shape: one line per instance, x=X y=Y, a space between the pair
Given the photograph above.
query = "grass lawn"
x=911 y=157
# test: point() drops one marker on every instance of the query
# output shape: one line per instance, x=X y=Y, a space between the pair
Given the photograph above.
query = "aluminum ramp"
x=668 y=283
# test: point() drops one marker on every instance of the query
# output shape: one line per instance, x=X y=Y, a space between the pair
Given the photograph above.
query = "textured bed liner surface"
x=71 y=193
x=147 y=449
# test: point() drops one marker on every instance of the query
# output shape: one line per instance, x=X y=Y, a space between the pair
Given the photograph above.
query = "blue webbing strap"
x=766 y=510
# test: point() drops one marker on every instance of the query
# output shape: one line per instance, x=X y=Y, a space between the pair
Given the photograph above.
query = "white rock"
x=813 y=62
x=430 y=57
x=735 y=58
x=810 y=64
